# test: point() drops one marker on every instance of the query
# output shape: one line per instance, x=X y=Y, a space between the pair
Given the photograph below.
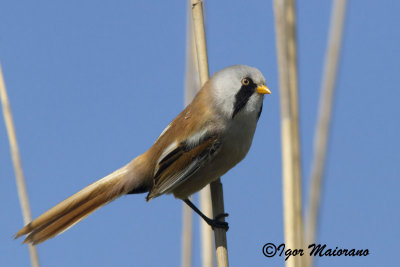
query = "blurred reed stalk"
x=192 y=85
x=285 y=21
x=324 y=117
x=216 y=186
x=16 y=159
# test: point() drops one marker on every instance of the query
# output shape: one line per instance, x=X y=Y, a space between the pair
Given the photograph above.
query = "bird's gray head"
x=239 y=91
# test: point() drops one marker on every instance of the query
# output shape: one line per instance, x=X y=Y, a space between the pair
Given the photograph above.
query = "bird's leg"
x=211 y=222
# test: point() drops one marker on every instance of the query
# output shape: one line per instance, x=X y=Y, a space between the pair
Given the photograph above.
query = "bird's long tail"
x=75 y=208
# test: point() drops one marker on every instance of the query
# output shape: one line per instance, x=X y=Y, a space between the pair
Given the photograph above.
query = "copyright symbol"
x=269 y=250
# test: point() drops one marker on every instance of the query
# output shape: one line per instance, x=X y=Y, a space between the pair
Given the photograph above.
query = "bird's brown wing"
x=181 y=162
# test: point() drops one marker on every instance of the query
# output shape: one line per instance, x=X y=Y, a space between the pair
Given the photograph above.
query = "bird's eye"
x=245 y=82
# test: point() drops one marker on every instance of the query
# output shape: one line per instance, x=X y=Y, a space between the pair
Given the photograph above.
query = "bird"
x=208 y=138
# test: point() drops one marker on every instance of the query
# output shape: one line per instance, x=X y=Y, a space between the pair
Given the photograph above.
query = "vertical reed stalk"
x=19 y=175
x=192 y=85
x=324 y=117
x=207 y=241
x=187 y=236
x=285 y=21
x=216 y=187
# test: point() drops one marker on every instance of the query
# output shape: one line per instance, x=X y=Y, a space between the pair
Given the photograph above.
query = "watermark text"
x=317 y=250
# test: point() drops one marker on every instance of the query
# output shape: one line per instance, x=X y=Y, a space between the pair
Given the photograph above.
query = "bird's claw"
x=216 y=223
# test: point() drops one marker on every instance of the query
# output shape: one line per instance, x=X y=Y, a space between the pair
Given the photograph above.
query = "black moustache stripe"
x=243 y=96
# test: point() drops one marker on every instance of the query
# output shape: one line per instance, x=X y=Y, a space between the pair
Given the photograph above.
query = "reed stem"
x=16 y=159
x=216 y=186
x=285 y=23
x=324 y=117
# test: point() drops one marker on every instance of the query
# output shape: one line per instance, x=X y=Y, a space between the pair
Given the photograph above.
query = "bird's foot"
x=216 y=223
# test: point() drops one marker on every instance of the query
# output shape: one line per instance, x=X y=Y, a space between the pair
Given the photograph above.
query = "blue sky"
x=92 y=84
